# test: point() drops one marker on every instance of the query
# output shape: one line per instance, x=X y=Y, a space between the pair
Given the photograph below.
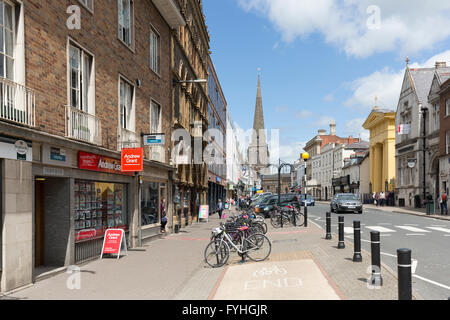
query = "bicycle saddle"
x=243 y=228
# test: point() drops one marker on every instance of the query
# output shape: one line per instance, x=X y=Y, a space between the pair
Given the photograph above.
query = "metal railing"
x=17 y=103
x=127 y=139
x=83 y=126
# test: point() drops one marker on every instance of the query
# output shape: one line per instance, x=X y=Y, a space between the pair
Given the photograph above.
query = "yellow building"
x=381 y=124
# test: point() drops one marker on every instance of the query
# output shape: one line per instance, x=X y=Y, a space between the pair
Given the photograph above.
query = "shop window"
x=98 y=206
x=150 y=204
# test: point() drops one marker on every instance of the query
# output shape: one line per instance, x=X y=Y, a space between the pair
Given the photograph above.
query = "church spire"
x=258 y=121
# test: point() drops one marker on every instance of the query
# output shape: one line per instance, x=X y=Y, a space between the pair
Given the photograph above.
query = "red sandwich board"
x=112 y=242
x=132 y=160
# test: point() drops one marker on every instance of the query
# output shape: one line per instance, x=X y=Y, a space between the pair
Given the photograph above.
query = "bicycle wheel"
x=275 y=220
x=299 y=219
x=258 y=247
x=217 y=253
x=264 y=227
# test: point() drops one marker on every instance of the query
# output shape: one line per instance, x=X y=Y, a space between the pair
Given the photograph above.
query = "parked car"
x=310 y=201
x=346 y=202
x=269 y=203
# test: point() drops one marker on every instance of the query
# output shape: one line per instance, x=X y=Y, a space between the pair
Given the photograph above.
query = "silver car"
x=346 y=202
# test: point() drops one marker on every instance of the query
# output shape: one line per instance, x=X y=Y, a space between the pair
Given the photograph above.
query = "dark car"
x=266 y=206
x=309 y=200
x=346 y=202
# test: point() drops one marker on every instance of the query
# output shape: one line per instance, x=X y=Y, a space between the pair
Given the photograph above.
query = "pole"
x=341 y=244
x=376 y=260
x=404 y=274
x=424 y=155
x=328 y=221
x=357 y=257
x=306 y=213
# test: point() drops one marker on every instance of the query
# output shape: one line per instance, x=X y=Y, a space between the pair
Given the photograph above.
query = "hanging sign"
x=112 y=242
x=132 y=160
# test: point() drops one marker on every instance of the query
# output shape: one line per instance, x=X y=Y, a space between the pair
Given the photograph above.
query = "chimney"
x=441 y=64
x=333 y=128
x=322 y=132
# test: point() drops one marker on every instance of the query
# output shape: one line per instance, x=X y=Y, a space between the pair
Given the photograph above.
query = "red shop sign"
x=113 y=242
x=95 y=162
x=132 y=160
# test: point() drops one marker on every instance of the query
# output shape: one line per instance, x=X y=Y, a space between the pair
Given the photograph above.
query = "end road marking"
x=413 y=229
x=380 y=229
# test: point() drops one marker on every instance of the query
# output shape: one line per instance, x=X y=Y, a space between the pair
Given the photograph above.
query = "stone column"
x=377 y=168
x=372 y=167
x=17 y=224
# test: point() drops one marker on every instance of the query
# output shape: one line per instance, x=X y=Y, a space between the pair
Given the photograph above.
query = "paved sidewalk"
x=172 y=268
x=416 y=212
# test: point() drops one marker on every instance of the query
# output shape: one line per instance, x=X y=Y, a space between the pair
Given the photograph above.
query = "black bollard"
x=306 y=215
x=357 y=257
x=328 y=220
x=404 y=274
x=341 y=244
x=376 y=278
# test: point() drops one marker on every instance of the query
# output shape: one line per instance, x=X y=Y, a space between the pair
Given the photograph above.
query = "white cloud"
x=385 y=84
x=324 y=121
x=303 y=114
x=354 y=128
x=403 y=28
x=290 y=152
x=281 y=109
x=329 y=97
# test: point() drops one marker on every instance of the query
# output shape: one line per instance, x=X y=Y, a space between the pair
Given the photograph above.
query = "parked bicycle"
x=256 y=247
x=287 y=216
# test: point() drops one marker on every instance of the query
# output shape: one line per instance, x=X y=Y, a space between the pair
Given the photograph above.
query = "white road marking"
x=446 y=235
x=385 y=235
x=413 y=229
x=380 y=229
x=415 y=234
x=348 y=230
x=316 y=224
x=384 y=223
x=414 y=225
x=432 y=282
x=438 y=225
x=440 y=229
x=414 y=262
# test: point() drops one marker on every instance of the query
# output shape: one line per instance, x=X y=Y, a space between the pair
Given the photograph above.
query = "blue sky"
x=321 y=60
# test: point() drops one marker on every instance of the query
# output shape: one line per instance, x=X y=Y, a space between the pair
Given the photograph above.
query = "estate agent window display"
x=98 y=206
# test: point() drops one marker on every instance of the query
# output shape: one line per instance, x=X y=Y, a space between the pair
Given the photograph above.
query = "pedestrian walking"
x=377 y=197
x=163 y=215
x=382 y=198
x=220 y=208
x=443 y=203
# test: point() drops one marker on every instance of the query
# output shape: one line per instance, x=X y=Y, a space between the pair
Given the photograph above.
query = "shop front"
x=154 y=192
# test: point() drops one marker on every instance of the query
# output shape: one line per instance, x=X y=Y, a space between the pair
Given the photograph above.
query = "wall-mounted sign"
x=95 y=162
x=154 y=139
x=411 y=163
x=133 y=160
x=11 y=148
x=57 y=154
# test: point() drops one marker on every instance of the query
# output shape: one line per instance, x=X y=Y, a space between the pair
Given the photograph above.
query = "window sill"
x=91 y=11
x=156 y=73
x=129 y=46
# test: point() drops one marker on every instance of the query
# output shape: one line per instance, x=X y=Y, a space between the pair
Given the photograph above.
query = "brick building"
x=190 y=54
x=76 y=88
